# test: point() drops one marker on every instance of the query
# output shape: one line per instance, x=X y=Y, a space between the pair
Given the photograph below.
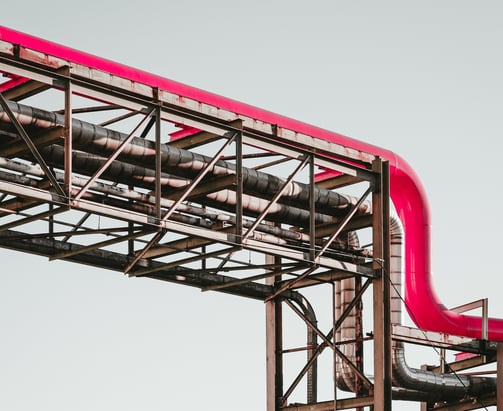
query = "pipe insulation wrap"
x=138 y=161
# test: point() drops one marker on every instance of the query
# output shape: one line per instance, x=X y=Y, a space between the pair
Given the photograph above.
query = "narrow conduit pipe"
x=406 y=190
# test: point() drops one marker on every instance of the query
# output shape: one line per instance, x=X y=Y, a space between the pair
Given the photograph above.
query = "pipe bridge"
x=105 y=165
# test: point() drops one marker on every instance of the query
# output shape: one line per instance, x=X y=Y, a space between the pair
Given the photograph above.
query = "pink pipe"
x=407 y=192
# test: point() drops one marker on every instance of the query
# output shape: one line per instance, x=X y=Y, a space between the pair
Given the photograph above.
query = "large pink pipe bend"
x=407 y=192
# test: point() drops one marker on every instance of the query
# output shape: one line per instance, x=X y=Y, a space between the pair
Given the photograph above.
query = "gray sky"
x=420 y=78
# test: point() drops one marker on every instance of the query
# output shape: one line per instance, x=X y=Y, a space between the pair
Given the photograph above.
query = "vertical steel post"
x=239 y=186
x=274 y=347
x=359 y=338
x=68 y=147
x=388 y=360
x=158 y=162
x=335 y=319
x=312 y=209
x=382 y=325
x=51 y=220
x=312 y=375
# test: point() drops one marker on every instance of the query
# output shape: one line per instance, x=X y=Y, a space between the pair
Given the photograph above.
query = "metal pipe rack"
x=192 y=193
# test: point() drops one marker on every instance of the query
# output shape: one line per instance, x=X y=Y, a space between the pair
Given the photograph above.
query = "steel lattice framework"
x=101 y=170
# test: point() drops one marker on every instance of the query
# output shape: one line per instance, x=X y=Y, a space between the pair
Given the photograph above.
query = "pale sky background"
x=421 y=78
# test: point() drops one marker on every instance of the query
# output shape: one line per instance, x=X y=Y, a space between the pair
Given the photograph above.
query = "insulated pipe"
x=147 y=200
x=406 y=190
x=450 y=385
x=144 y=177
x=434 y=385
x=347 y=333
x=102 y=141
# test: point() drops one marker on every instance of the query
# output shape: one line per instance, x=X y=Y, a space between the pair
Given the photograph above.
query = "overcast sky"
x=423 y=79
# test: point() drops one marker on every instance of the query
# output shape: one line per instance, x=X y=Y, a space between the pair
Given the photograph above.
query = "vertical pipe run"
x=239 y=186
x=335 y=317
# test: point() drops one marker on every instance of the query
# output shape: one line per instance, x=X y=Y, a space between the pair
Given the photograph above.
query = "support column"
x=381 y=284
x=274 y=347
x=68 y=149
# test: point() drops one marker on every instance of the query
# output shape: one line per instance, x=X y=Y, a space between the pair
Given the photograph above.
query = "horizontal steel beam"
x=440 y=340
x=343 y=404
x=109 y=260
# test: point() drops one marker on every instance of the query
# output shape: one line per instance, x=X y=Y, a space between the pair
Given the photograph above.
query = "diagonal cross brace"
x=330 y=334
x=33 y=148
x=182 y=198
x=110 y=159
x=329 y=343
x=276 y=198
x=343 y=223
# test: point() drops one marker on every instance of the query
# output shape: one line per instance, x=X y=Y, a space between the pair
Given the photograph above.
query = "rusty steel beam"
x=45 y=138
x=273 y=273
x=201 y=137
x=206 y=187
x=274 y=345
x=166 y=266
x=25 y=90
x=338 y=182
x=381 y=292
x=466 y=404
x=65 y=254
x=356 y=223
x=114 y=261
x=32 y=218
x=342 y=404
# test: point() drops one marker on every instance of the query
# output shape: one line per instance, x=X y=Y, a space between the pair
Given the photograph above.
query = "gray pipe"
x=103 y=141
x=450 y=385
x=413 y=379
x=136 y=175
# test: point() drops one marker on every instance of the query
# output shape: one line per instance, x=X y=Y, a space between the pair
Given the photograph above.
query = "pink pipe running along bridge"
x=406 y=191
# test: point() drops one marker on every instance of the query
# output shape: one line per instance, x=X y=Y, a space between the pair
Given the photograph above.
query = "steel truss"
x=92 y=176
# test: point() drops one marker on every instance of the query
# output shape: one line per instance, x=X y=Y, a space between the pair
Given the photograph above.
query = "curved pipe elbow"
x=425 y=309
